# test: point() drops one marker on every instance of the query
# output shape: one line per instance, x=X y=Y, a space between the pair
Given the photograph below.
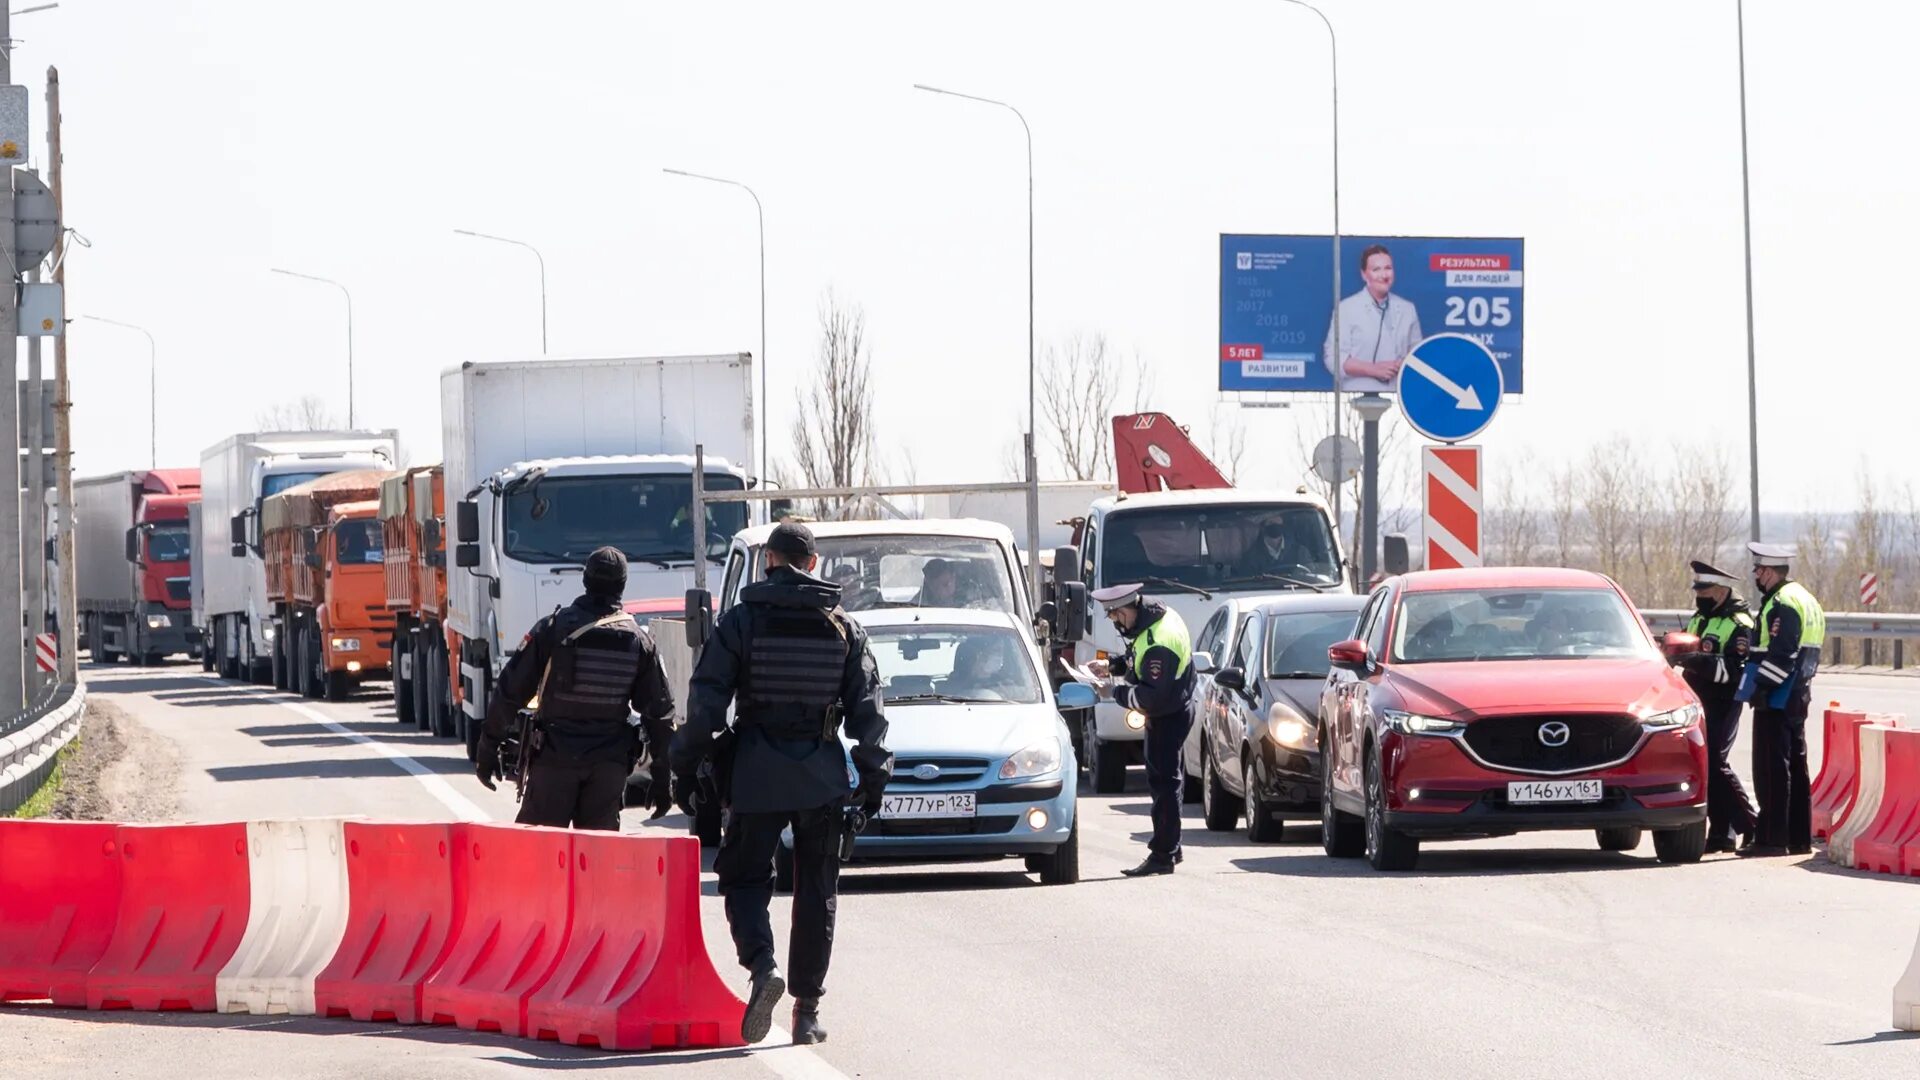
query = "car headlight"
x=1415 y=724
x=1286 y=727
x=1682 y=717
x=347 y=644
x=267 y=632
x=156 y=622
x=1035 y=760
x=1136 y=719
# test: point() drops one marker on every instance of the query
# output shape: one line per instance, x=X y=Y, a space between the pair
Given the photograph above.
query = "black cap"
x=605 y=571
x=791 y=540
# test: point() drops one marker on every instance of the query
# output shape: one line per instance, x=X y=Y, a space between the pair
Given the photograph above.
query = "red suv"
x=1490 y=702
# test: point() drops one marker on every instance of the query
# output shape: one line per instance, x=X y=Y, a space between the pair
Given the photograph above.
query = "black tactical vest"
x=590 y=675
x=795 y=660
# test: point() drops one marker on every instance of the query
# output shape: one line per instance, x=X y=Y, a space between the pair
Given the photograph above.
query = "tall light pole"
x=760 y=215
x=1746 y=232
x=349 y=298
x=1033 y=465
x=153 y=386
x=543 y=275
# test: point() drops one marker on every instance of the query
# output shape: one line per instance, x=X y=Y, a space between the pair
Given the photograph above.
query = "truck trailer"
x=132 y=563
x=326 y=573
x=413 y=524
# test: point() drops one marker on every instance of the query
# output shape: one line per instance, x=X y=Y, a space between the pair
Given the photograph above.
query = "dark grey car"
x=1259 y=757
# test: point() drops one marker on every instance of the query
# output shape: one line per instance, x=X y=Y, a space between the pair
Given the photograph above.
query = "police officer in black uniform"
x=1724 y=624
x=591 y=666
x=798 y=671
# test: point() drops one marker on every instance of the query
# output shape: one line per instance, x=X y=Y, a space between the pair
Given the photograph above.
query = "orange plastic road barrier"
x=59 y=894
x=400 y=922
x=1881 y=844
x=512 y=888
x=635 y=974
x=1839 y=769
x=183 y=909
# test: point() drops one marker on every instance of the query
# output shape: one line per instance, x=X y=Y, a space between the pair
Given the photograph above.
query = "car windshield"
x=1297 y=642
x=1515 y=624
x=917 y=571
x=358 y=543
x=168 y=543
x=563 y=520
x=1246 y=546
x=954 y=663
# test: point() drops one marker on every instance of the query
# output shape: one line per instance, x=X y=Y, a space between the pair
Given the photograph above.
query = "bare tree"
x=309 y=412
x=833 y=437
x=1226 y=440
x=1078 y=389
x=1144 y=383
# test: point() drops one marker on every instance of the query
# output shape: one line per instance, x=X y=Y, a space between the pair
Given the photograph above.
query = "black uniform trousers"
x=1780 y=774
x=1729 y=810
x=744 y=866
x=1165 y=774
x=580 y=793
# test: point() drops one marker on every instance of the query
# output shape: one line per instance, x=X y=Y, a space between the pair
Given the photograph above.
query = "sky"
x=209 y=141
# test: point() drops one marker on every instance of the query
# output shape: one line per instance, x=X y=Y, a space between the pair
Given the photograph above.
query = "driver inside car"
x=978 y=665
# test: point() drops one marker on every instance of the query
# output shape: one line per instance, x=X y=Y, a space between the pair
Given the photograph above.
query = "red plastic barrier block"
x=1882 y=844
x=513 y=891
x=636 y=974
x=183 y=909
x=1839 y=770
x=400 y=922
x=59 y=893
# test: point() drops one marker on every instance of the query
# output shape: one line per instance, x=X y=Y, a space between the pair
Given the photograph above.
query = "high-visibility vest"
x=1813 y=620
x=1168 y=632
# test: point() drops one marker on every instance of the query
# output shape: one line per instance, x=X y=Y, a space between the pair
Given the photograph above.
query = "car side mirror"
x=1231 y=678
x=133 y=545
x=1066 y=564
x=1073 y=611
x=466 y=556
x=1395 y=556
x=466 y=522
x=1076 y=695
x=237 y=535
x=1203 y=663
x=1352 y=655
x=699 y=616
x=1678 y=645
x=312 y=558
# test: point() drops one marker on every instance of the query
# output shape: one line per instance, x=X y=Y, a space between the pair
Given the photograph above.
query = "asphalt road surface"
x=1530 y=956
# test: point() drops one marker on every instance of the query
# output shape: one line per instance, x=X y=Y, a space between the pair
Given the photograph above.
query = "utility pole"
x=33 y=516
x=62 y=408
x=13 y=652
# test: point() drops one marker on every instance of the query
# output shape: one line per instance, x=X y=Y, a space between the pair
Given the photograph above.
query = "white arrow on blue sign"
x=1450 y=387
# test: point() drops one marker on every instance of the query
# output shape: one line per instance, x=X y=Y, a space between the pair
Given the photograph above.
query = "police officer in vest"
x=591 y=667
x=798 y=672
x=1155 y=678
x=1779 y=681
x=1724 y=624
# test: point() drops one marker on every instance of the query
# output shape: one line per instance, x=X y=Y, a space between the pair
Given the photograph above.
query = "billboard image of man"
x=1377 y=329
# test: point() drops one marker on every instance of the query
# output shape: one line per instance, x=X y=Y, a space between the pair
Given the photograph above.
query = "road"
x=1534 y=956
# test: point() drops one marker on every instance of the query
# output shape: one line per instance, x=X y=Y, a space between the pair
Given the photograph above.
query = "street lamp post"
x=1746 y=232
x=760 y=216
x=349 y=298
x=153 y=386
x=543 y=275
x=1033 y=435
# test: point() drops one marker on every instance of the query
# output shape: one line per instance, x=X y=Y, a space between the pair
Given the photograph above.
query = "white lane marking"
x=777 y=1053
x=463 y=808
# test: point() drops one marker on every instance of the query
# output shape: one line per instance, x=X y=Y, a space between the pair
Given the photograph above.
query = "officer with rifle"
x=798 y=673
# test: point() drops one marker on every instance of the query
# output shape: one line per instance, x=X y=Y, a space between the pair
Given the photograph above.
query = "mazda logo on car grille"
x=1555 y=733
x=932 y=772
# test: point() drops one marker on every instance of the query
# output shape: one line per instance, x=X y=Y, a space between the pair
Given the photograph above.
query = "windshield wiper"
x=949 y=698
x=1296 y=674
x=656 y=559
x=1168 y=583
x=1281 y=578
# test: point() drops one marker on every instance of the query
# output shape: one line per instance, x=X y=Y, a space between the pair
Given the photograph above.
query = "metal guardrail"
x=1840 y=624
x=31 y=741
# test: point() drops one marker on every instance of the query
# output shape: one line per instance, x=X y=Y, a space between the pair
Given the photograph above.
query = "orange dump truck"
x=413 y=524
x=326 y=584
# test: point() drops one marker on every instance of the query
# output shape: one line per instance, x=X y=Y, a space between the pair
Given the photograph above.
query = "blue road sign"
x=1450 y=387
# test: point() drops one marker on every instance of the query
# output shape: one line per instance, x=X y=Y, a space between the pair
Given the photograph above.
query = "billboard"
x=1276 y=307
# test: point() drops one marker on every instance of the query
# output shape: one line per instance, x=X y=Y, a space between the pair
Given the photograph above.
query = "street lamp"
x=543 y=275
x=761 y=216
x=1033 y=467
x=1746 y=232
x=349 y=297
x=153 y=386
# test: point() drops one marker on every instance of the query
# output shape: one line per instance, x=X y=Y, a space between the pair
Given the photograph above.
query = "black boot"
x=1154 y=864
x=764 y=996
x=806 y=1022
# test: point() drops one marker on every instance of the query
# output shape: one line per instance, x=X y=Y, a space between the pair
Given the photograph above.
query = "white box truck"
x=547 y=460
x=236 y=476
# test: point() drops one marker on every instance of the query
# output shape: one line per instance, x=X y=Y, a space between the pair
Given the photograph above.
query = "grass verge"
x=40 y=803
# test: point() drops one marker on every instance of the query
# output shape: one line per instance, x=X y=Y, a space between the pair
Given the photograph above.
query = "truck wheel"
x=206 y=659
x=417 y=687
x=1106 y=766
x=278 y=655
x=440 y=707
x=310 y=685
x=339 y=685
x=101 y=653
x=399 y=660
x=1061 y=866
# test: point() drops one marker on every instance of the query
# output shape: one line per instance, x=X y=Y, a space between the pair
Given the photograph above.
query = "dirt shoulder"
x=123 y=771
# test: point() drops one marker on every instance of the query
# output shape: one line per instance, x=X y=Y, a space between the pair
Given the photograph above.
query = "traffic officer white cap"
x=1115 y=597
x=1773 y=554
x=1706 y=574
